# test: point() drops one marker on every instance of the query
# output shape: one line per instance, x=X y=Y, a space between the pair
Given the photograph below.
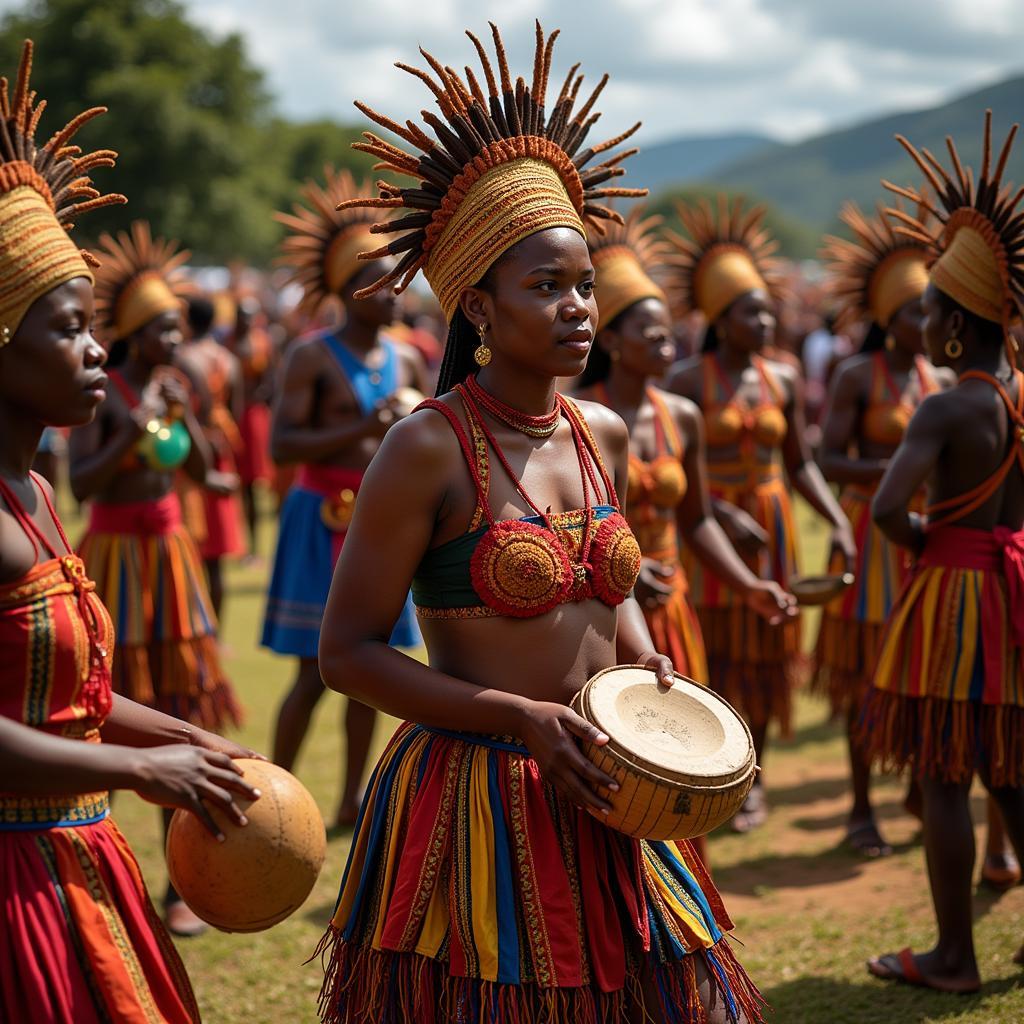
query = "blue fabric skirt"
x=301 y=580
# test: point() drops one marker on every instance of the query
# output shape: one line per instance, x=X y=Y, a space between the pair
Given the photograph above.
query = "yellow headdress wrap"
x=499 y=170
x=978 y=246
x=627 y=257
x=42 y=191
x=876 y=273
x=324 y=243
x=139 y=281
x=728 y=254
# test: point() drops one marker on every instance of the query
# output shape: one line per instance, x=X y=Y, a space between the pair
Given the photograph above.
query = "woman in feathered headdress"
x=479 y=887
x=877 y=279
x=668 y=498
x=80 y=942
x=754 y=413
x=144 y=560
x=948 y=689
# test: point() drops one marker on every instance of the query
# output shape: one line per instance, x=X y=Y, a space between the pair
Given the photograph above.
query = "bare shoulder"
x=304 y=357
x=854 y=370
x=683 y=377
x=684 y=411
x=946 y=411
x=607 y=427
x=424 y=444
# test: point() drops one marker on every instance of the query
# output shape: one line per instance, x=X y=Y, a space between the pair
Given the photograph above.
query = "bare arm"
x=131 y=724
x=702 y=531
x=414 y=369
x=807 y=479
x=842 y=410
x=292 y=439
x=34 y=763
x=907 y=472
x=94 y=462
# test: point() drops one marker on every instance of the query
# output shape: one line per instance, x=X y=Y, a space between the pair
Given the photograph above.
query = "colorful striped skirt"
x=475 y=893
x=852 y=625
x=149 y=575
x=754 y=665
x=948 y=689
x=80 y=941
x=675 y=628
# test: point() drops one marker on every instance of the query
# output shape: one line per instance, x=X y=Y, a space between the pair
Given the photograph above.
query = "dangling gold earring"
x=954 y=348
x=890 y=343
x=482 y=354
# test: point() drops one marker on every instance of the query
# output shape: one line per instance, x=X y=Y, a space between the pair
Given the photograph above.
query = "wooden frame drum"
x=683 y=758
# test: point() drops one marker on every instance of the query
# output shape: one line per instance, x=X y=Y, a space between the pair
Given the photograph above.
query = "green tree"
x=201 y=154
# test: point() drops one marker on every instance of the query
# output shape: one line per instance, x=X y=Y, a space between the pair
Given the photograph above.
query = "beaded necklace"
x=532 y=426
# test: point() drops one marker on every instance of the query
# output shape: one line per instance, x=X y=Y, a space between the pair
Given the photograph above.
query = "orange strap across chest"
x=953 y=509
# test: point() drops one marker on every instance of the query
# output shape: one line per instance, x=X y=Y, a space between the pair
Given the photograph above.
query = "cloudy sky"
x=790 y=68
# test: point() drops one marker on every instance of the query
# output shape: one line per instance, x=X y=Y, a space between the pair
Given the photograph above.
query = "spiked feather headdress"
x=978 y=243
x=43 y=190
x=140 y=279
x=498 y=168
x=628 y=258
x=727 y=254
x=877 y=272
x=324 y=242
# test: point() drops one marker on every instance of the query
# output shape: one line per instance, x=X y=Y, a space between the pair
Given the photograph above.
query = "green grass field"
x=807 y=913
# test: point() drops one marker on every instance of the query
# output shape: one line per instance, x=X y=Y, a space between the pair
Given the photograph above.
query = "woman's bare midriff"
x=547 y=658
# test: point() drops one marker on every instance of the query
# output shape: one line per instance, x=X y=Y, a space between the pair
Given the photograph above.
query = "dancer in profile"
x=948 y=690
x=878 y=279
x=146 y=566
x=478 y=885
x=336 y=402
x=80 y=942
x=754 y=412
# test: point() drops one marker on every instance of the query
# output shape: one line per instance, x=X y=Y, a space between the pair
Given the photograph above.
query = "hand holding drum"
x=682 y=757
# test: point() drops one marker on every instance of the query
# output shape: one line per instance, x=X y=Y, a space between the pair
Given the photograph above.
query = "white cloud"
x=788 y=67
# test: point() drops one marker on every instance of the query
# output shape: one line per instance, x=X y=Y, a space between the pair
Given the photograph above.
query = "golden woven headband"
x=979 y=242
x=901 y=278
x=42 y=191
x=724 y=274
x=503 y=206
x=500 y=170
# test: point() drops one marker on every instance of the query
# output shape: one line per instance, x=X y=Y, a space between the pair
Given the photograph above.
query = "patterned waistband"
x=508 y=743
x=35 y=813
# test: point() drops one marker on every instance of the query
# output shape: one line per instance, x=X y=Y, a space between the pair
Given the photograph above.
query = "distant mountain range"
x=662 y=165
x=808 y=181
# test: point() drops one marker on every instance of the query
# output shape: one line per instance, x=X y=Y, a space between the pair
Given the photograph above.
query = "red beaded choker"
x=532 y=426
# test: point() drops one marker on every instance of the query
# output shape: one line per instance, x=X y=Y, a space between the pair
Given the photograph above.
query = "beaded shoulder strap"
x=583 y=426
x=953 y=509
x=475 y=453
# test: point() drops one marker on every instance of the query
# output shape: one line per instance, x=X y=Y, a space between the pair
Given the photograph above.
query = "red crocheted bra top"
x=526 y=567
